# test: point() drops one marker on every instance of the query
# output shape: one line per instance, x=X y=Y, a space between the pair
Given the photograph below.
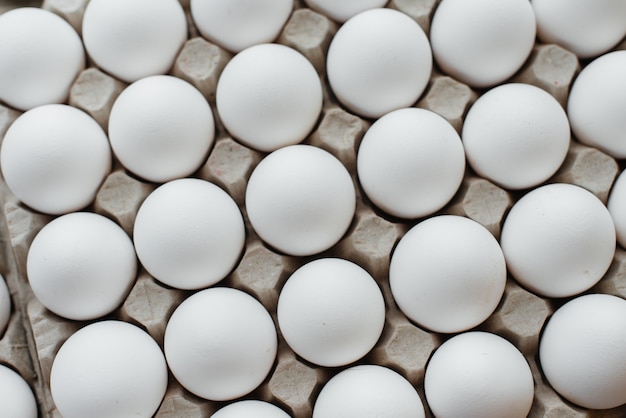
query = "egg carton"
x=34 y=334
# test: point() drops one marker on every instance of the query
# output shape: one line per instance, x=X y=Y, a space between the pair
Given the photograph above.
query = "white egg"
x=617 y=208
x=5 y=306
x=582 y=351
x=447 y=273
x=40 y=56
x=161 y=128
x=378 y=61
x=250 y=408
x=597 y=104
x=585 y=27
x=239 y=24
x=108 y=369
x=54 y=158
x=81 y=265
x=411 y=162
x=331 y=312
x=343 y=10
x=189 y=233
x=368 y=391
x=269 y=96
x=482 y=42
x=478 y=374
x=16 y=397
x=516 y=135
x=558 y=240
x=220 y=343
x=134 y=39
x=300 y=199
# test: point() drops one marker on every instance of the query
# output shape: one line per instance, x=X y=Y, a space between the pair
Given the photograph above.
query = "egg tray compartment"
x=34 y=334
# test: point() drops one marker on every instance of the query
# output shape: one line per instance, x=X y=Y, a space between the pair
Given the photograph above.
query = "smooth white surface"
x=300 y=200
x=16 y=397
x=54 y=158
x=482 y=42
x=250 y=408
x=368 y=391
x=447 y=273
x=478 y=375
x=378 y=61
x=220 y=343
x=134 y=39
x=516 y=135
x=189 y=233
x=108 y=369
x=239 y=24
x=269 y=96
x=5 y=305
x=582 y=351
x=558 y=240
x=81 y=265
x=161 y=128
x=597 y=104
x=331 y=312
x=411 y=162
x=344 y=9
x=40 y=56
x=585 y=27
x=617 y=208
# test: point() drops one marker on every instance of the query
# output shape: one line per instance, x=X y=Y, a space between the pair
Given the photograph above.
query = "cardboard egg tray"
x=34 y=334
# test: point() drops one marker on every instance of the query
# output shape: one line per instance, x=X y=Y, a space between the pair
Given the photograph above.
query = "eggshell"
x=300 y=199
x=585 y=27
x=516 y=135
x=5 y=306
x=447 y=273
x=108 y=369
x=161 y=128
x=331 y=312
x=597 y=104
x=40 y=56
x=81 y=265
x=16 y=397
x=378 y=61
x=558 y=240
x=482 y=42
x=411 y=162
x=250 y=408
x=368 y=391
x=269 y=96
x=220 y=343
x=345 y=9
x=134 y=39
x=582 y=351
x=189 y=233
x=222 y=21
x=617 y=208
x=54 y=158
x=478 y=374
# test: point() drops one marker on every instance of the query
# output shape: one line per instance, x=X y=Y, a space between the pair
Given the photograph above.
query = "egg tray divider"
x=34 y=334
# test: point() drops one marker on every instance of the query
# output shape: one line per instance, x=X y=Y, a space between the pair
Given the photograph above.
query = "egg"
x=617 y=208
x=410 y=162
x=223 y=21
x=108 y=369
x=345 y=9
x=516 y=135
x=368 y=391
x=189 y=233
x=300 y=200
x=134 y=39
x=586 y=27
x=478 y=374
x=161 y=128
x=447 y=273
x=558 y=240
x=220 y=343
x=250 y=408
x=331 y=312
x=5 y=306
x=16 y=397
x=581 y=351
x=81 y=265
x=378 y=61
x=597 y=104
x=40 y=56
x=482 y=42
x=54 y=158
x=269 y=96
